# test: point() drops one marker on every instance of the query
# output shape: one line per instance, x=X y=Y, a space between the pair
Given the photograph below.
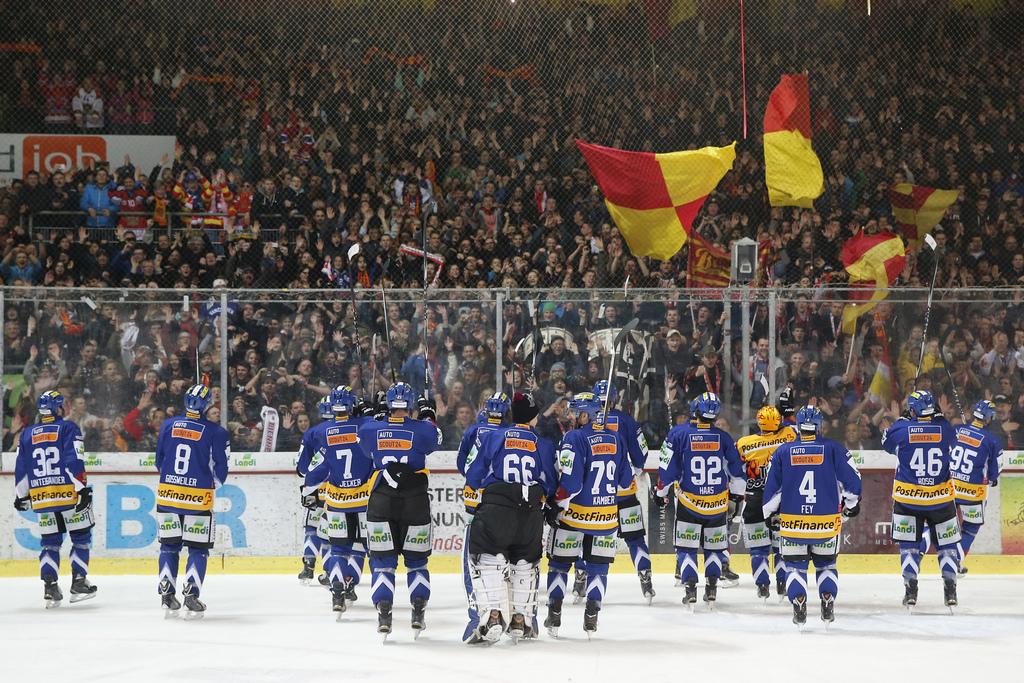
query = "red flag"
x=707 y=265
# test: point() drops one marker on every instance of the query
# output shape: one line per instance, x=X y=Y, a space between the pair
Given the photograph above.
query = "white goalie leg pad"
x=489 y=575
x=524 y=578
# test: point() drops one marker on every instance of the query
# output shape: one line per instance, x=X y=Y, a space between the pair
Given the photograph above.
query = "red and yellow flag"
x=653 y=198
x=664 y=15
x=918 y=209
x=872 y=261
x=881 y=389
x=707 y=265
x=791 y=168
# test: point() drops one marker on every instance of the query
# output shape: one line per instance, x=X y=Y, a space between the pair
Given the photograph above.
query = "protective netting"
x=124 y=359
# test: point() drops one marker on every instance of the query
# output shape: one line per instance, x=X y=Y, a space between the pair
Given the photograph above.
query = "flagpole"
x=743 y=67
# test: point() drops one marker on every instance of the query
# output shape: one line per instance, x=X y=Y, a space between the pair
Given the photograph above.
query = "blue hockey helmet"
x=324 y=408
x=984 y=410
x=342 y=399
x=400 y=397
x=583 y=402
x=809 y=419
x=481 y=416
x=921 y=403
x=197 y=399
x=708 y=406
x=50 y=404
x=693 y=408
x=497 y=405
x=602 y=390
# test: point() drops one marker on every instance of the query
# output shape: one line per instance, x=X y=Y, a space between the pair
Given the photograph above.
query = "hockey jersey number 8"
x=192 y=458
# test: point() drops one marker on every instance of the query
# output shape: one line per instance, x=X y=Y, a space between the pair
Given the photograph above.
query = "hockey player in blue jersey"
x=398 y=511
x=631 y=519
x=974 y=467
x=594 y=464
x=491 y=418
x=701 y=463
x=50 y=480
x=192 y=458
x=807 y=482
x=922 y=493
x=312 y=546
x=339 y=480
x=515 y=470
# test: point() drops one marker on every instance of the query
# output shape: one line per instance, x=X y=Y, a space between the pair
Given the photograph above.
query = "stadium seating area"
x=455 y=128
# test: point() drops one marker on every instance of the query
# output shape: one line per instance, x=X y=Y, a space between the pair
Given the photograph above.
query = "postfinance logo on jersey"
x=913 y=494
x=45 y=497
x=341 y=498
x=970 y=492
x=394 y=440
x=704 y=505
x=602 y=518
x=810 y=526
x=184 y=497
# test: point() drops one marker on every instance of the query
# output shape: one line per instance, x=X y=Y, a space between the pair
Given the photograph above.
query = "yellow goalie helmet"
x=769 y=419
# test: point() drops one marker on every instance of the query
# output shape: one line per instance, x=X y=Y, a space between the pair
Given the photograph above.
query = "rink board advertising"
x=257 y=513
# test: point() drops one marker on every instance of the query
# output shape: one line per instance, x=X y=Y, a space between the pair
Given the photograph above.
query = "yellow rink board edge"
x=452 y=564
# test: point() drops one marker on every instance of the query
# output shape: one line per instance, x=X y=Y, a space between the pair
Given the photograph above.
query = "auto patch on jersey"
x=967 y=438
x=190 y=431
x=807 y=456
x=512 y=443
x=337 y=437
x=43 y=435
x=705 y=442
x=601 y=446
x=925 y=434
x=394 y=440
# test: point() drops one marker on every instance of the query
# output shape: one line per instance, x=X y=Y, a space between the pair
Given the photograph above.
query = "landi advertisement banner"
x=1011 y=516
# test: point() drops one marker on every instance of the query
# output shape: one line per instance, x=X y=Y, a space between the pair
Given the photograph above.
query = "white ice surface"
x=269 y=628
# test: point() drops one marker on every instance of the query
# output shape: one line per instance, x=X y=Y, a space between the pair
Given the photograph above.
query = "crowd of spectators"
x=302 y=135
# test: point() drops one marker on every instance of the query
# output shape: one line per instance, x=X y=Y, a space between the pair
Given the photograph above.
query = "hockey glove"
x=22 y=504
x=734 y=504
x=551 y=513
x=849 y=513
x=773 y=522
x=426 y=409
x=84 y=499
x=310 y=500
x=994 y=483
x=661 y=502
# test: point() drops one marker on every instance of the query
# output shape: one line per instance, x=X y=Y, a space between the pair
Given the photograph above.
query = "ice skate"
x=491 y=630
x=780 y=588
x=590 y=616
x=324 y=581
x=338 y=603
x=828 y=606
x=554 y=619
x=419 y=617
x=730 y=579
x=711 y=592
x=690 y=596
x=306 y=575
x=646 y=585
x=168 y=601
x=579 y=586
x=82 y=589
x=350 y=592
x=800 y=612
x=196 y=607
x=961 y=570
x=519 y=628
x=949 y=593
x=52 y=594
x=910 y=594
x=764 y=591
x=384 y=618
